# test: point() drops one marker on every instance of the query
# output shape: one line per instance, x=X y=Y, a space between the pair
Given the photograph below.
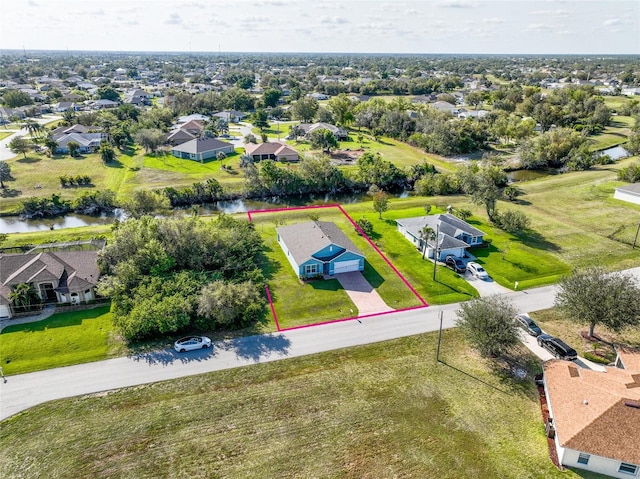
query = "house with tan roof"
x=57 y=277
x=273 y=150
x=594 y=416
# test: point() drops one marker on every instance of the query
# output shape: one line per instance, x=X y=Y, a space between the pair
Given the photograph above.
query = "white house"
x=454 y=235
x=594 y=416
x=629 y=193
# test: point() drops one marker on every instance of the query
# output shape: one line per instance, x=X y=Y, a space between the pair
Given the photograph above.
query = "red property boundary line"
x=395 y=270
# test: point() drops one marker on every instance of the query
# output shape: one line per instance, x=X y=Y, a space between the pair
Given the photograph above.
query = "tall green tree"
x=146 y=202
x=19 y=145
x=150 y=139
x=324 y=139
x=380 y=203
x=305 y=109
x=107 y=154
x=426 y=234
x=5 y=173
x=487 y=324
x=24 y=296
x=270 y=97
x=594 y=297
x=74 y=148
x=342 y=109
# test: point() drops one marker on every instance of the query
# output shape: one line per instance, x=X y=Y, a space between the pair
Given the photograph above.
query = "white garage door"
x=346 y=266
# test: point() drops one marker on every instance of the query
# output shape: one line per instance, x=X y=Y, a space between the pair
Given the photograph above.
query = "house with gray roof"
x=200 y=149
x=317 y=248
x=454 y=235
x=60 y=277
x=338 y=132
x=629 y=193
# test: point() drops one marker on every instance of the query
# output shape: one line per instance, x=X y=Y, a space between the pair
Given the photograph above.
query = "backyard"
x=381 y=410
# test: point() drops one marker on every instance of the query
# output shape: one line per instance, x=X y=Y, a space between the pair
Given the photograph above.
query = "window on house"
x=583 y=458
x=310 y=268
x=628 y=468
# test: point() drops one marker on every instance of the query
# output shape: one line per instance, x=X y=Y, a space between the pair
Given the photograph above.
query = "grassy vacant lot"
x=579 y=219
x=5 y=134
x=305 y=303
x=377 y=411
x=554 y=323
x=38 y=175
x=615 y=134
x=61 y=340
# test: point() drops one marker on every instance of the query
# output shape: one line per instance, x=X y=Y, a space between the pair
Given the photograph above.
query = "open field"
x=38 y=175
x=5 y=134
x=614 y=134
x=382 y=410
x=61 y=340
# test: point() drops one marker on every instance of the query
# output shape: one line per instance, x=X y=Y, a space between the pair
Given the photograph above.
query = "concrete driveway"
x=366 y=299
x=486 y=287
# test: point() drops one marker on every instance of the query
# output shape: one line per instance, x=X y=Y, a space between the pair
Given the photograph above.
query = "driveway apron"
x=366 y=299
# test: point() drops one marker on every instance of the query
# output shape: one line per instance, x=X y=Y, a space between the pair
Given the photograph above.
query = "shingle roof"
x=201 y=145
x=78 y=268
x=590 y=409
x=269 y=148
x=448 y=226
x=630 y=358
x=306 y=239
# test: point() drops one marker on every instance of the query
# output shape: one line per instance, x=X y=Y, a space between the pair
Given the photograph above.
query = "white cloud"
x=334 y=20
x=456 y=4
x=174 y=19
x=551 y=13
x=612 y=21
x=493 y=20
x=32 y=3
x=538 y=27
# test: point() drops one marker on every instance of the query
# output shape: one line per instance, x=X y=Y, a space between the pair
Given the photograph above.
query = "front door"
x=47 y=293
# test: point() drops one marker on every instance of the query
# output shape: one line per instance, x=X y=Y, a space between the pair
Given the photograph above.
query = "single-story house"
x=179 y=136
x=194 y=117
x=61 y=277
x=195 y=127
x=63 y=106
x=271 y=151
x=102 y=104
x=318 y=96
x=89 y=142
x=594 y=416
x=629 y=193
x=338 y=132
x=454 y=235
x=77 y=128
x=317 y=248
x=444 y=106
x=232 y=116
x=201 y=149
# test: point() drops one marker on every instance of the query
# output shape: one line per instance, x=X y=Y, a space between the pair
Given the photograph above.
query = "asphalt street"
x=26 y=390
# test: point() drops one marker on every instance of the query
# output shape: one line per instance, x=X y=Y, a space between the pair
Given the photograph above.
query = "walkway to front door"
x=366 y=299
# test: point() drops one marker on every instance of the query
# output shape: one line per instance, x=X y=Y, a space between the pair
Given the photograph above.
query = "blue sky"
x=441 y=26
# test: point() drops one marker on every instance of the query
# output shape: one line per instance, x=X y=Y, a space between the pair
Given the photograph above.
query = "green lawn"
x=61 y=340
x=316 y=301
x=5 y=134
x=376 y=411
x=614 y=134
x=57 y=235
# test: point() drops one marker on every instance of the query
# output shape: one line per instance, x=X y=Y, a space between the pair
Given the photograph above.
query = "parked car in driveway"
x=455 y=264
x=528 y=324
x=190 y=343
x=476 y=270
x=557 y=347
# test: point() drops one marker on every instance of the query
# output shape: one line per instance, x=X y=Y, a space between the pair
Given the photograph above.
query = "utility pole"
x=636 y=238
x=435 y=252
x=439 y=338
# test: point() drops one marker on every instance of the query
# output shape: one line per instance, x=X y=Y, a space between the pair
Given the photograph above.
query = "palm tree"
x=426 y=234
x=23 y=296
x=51 y=145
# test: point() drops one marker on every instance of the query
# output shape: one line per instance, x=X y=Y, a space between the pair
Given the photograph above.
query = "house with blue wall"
x=317 y=248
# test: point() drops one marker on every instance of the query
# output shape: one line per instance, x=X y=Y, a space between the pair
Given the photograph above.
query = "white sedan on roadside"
x=477 y=270
x=190 y=343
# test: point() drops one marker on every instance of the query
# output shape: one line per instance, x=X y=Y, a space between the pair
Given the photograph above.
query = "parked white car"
x=190 y=343
x=477 y=270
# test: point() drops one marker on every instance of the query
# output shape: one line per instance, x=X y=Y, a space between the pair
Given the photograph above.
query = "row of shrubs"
x=79 y=180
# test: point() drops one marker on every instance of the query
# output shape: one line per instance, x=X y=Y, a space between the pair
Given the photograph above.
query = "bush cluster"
x=80 y=180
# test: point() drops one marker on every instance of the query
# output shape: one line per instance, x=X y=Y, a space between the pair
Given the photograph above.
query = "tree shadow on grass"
x=29 y=159
x=114 y=164
x=268 y=267
x=517 y=373
x=9 y=192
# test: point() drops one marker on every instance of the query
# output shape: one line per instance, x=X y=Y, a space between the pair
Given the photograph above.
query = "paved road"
x=5 y=152
x=26 y=390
